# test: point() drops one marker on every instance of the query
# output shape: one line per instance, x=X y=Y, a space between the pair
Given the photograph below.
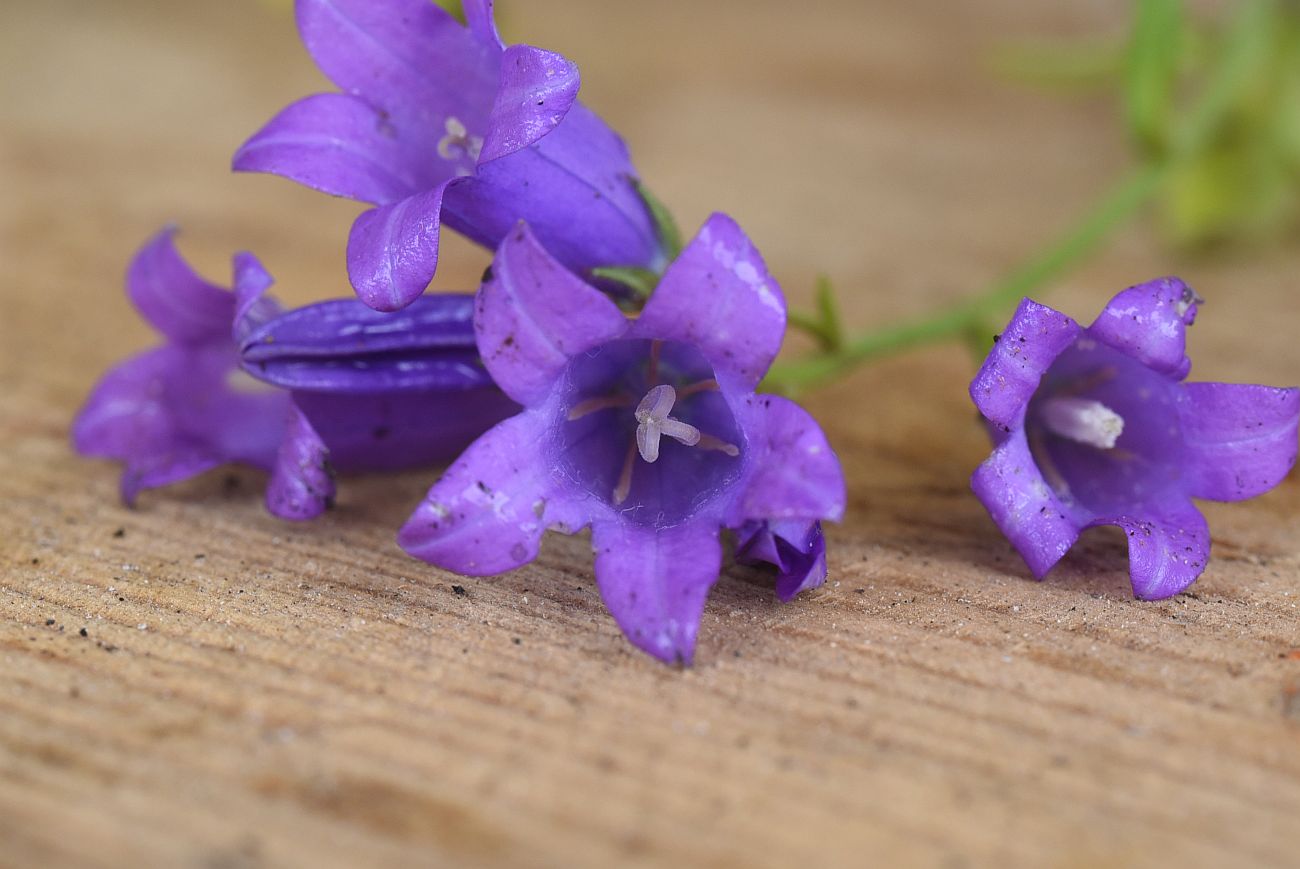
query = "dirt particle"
x=459 y=591
x=119 y=533
x=83 y=632
x=49 y=623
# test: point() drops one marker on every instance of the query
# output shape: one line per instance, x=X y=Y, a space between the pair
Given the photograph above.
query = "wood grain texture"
x=194 y=684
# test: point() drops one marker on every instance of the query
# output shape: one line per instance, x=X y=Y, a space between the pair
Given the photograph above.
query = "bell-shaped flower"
x=342 y=384
x=439 y=122
x=1096 y=426
x=646 y=429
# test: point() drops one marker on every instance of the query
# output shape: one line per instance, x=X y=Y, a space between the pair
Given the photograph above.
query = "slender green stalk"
x=1116 y=206
x=1120 y=203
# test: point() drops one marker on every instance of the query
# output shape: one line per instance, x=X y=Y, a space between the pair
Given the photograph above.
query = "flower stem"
x=1226 y=83
x=1117 y=205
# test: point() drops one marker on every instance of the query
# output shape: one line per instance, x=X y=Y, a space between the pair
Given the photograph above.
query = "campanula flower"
x=439 y=122
x=648 y=430
x=342 y=385
x=1096 y=426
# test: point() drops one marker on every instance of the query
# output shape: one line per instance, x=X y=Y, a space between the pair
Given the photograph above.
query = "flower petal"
x=338 y=144
x=1149 y=322
x=409 y=58
x=1167 y=551
x=1024 y=351
x=575 y=188
x=487 y=513
x=796 y=474
x=481 y=17
x=655 y=582
x=719 y=297
x=173 y=298
x=301 y=485
x=796 y=548
x=1240 y=440
x=182 y=462
x=534 y=315
x=1037 y=523
x=537 y=89
x=253 y=307
x=125 y=415
x=393 y=249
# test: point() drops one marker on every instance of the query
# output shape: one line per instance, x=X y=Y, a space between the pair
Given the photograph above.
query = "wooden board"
x=196 y=684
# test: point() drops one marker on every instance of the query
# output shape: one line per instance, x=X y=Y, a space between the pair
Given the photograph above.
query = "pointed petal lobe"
x=301 y=486
x=534 y=315
x=1030 y=515
x=393 y=250
x=1240 y=440
x=487 y=513
x=1149 y=322
x=338 y=144
x=655 y=582
x=538 y=88
x=719 y=296
x=1028 y=346
x=1167 y=550
x=796 y=473
x=173 y=298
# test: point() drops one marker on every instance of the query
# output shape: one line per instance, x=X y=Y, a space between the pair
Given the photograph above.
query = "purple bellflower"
x=440 y=122
x=1095 y=426
x=342 y=383
x=646 y=429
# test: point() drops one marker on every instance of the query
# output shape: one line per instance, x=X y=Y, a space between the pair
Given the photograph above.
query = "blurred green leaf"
x=670 y=234
x=1084 y=66
x=1150 y=71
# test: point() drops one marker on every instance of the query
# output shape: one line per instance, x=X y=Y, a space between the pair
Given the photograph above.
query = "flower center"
x=627 y=398
x=458 y=143
x=1083 y=421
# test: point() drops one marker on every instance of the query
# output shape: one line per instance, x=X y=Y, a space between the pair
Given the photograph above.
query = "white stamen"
x=458 y=142
x=653 y=422
x=1084 y=421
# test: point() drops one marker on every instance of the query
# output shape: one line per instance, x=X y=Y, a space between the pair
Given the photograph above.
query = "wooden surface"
x=194 y=684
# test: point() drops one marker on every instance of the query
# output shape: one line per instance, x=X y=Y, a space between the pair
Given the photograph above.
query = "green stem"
x=1120 y=203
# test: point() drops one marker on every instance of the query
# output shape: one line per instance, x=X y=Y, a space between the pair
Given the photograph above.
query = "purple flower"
x=646 y=429
x=342 y=385
x=1095 y=427
x=441 y=122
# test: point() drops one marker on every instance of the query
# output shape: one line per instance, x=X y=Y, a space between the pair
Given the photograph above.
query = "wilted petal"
x=796 y=473
x=719 y=296
x=173 y=298
x=1038 y=524
x=301 y=485
x=1030 y=344
x=534 y=315
x=1167 y=550
x=797 y=549
x=655 y=582
x=1240 y=440
x=341 y=145
x=1149 y=322
x=342 y=346
x=537 y=89
x=488 y=512
x=393 y=249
